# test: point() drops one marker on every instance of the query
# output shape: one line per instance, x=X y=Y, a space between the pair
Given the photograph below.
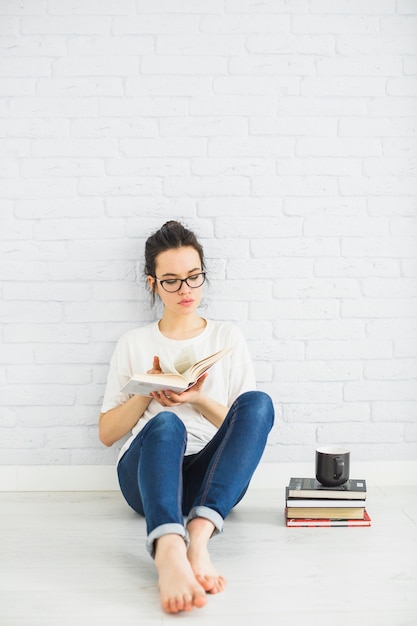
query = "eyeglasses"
x=174 y=284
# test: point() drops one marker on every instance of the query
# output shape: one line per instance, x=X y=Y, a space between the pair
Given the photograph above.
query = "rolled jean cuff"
x=210 y=514
x=165 y=529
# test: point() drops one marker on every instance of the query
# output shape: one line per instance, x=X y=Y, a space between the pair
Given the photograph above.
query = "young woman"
x=190 y=454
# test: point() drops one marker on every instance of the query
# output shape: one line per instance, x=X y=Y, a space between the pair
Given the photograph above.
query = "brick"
x=228 y=166
x=35 y=189
x=327 y=413
x=232 y=105
x=95 y=66
x=291 y=44
x=119 y=186
x=32 y=128
x=353 y=45
x=146 y=167
x=304 y=126
x=349 y=86
x=75 y=147
x=313 y=371
x=17 y=86
x=398 y=369
x=57 y=208
x=156 y=24
x=386 y=390
x=379 y=308
x=25 y=67
x=49 y=375
x=345 y=23
x=165 y=147
x=67 y=25
x=73 y=167
x=16 y=334
x=202 y=186
x=294 y=185
x=344 y=226
x=180 y=65
x=180 y=6
x=393 y=412
x=294 y=309
x=103 y=46
x=400 y=287
x=359 y=432
x=78 y=228
x=309 y=330
x=202 y=127
x=349 y=349
x=25 y=46
x=354 y=7
x=168 y=85
x=113 y=127
x=79 y=87
x=246 y=227
x=273 y=65
x=216 y=44
x=251 y=146
x=316 y=288
x=147 y=105
x=91 y=7
x=339 y=147
x=257 y=85
x=356 y=267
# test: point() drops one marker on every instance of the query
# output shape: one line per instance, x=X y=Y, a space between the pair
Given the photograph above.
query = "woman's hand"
x=168 y=398
x=156 y=367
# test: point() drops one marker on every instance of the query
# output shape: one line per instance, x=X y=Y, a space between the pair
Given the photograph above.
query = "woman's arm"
x=117 y=422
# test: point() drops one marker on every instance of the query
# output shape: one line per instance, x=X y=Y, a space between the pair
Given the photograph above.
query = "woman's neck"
x=185 y=328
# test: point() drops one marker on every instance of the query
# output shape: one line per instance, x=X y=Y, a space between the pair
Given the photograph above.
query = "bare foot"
x=200 y=531
x=179 y=589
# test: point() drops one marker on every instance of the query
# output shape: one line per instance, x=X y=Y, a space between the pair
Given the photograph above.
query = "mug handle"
x=338 y=467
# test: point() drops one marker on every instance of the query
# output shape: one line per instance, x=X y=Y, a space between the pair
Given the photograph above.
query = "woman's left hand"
x=170 y=398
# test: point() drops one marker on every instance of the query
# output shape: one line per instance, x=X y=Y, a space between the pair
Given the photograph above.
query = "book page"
x=184 y=360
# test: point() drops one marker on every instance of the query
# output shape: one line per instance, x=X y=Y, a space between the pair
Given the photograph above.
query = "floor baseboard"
x=268 y=475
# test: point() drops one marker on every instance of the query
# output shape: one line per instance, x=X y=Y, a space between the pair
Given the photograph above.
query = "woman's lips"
x=186 y=302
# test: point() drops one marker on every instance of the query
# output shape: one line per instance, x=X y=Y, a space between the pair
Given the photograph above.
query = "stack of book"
x=309 y=503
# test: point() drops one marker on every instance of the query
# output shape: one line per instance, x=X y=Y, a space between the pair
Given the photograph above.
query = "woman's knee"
x=261 y=405
x=166 y=423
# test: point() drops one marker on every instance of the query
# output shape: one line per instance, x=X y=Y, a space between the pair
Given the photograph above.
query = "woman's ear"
x=151 y=283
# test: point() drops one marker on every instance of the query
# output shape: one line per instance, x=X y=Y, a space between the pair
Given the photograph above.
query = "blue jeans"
x=160 y=482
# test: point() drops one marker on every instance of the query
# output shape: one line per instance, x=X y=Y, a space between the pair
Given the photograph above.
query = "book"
x=303 y=502
x=349 y=512
x=186 y=373
x=317 y=502
x=352 y=489
x=313 y=522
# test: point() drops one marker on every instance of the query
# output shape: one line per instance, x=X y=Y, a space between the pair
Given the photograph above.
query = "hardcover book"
x=326 y=512
x=352 y=489
x=312 y=522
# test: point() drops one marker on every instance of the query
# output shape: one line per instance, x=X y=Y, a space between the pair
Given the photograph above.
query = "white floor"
x=79 y=559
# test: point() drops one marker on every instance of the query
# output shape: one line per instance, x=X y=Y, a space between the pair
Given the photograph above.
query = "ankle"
x=169 y=543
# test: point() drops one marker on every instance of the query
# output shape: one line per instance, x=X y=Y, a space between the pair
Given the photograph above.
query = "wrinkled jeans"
x=159 y=482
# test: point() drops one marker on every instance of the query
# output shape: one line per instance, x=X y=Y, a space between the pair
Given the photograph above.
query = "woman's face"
x=178 y=263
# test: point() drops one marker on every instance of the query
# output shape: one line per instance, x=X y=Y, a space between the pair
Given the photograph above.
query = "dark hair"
x=171 y=235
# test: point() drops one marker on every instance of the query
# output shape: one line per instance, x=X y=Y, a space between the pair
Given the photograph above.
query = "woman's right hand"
x=156 y=367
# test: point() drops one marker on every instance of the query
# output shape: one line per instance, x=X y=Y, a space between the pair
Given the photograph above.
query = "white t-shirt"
x=227 y=379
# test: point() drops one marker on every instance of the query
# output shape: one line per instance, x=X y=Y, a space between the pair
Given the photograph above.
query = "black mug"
x=332 y=465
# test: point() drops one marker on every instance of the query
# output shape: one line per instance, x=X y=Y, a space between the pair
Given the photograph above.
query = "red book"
x=311 y=522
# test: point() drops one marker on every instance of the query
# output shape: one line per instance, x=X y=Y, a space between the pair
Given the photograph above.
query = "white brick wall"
x=284 y=133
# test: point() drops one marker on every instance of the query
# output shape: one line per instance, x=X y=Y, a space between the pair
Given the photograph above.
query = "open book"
x=186 y=374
